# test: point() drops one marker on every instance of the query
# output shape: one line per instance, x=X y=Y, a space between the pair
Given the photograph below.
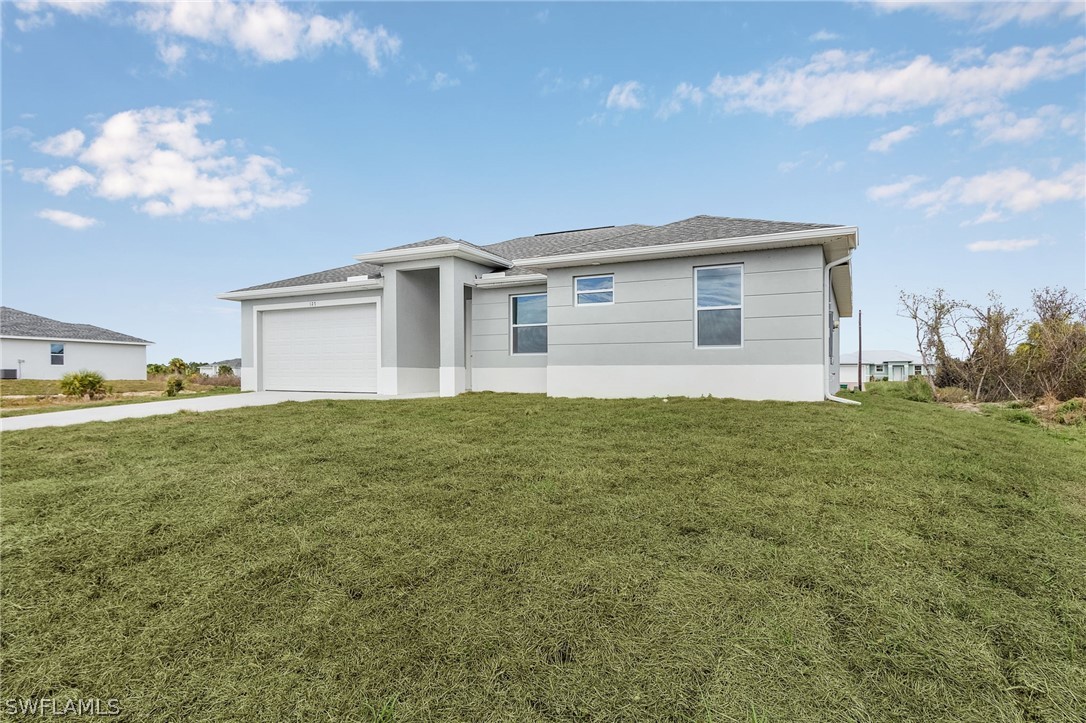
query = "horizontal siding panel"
x=806 y=257
x=794 y=304
x=490 y=342
x=783 y=327
x=623 y=312
x=792 y=351
x=630 y=333
x=482 y=327
x=504 y=360
x=783 y=282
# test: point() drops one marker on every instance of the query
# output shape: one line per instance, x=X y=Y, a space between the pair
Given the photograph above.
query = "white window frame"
x=53 y=356
x=577 y=294
x=742 y=321
x=513 y=327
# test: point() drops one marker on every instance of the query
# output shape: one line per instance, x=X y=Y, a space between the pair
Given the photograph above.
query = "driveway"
x=150 y=409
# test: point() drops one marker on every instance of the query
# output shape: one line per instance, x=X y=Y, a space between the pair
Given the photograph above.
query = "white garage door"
x=320 y=349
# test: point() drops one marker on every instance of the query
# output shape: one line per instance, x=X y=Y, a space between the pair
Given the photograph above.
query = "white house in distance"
x=708 y=305
x=34 y=347
x=882 y=365
x=213 y=368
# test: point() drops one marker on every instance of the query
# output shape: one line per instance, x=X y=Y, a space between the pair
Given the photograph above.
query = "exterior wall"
x=417 y=331
x=494 y=368
x=248 y=371
x=833 y=366
x=643 y=344
x=113 y=361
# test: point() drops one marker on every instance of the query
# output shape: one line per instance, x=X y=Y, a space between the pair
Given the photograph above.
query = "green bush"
x=174 y=385
x=84 y=383
x=225 y=370
x=1020 y=416
x=1072 y=412
x=952 y=395
x=917 y=389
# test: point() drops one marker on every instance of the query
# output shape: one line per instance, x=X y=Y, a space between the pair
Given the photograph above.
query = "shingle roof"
x=697 y=228
x=19 y=323
x=227 y=362
x=321 y=277
x=547 y=244
x=606 y=238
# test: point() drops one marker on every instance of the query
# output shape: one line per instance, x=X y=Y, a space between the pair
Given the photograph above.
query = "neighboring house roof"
x=881 y=356
x=225 y=362
x=545 y=244
x=697 y=228
x=22 y=324
x=328 y=276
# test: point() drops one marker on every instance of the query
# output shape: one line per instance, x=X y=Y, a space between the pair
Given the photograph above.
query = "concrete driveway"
x=150 y=409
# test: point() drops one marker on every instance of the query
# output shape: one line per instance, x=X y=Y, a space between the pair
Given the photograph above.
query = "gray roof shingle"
x=697 y=228
x=556 y=243
x=606 y=238
x=19 y=323
x=328 y=276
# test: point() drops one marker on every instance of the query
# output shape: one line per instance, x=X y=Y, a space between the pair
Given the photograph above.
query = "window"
x=528 y=323
x=56 y=354
x=590 y=290
x=879 y=368
x=718 y=306
x=918 y=369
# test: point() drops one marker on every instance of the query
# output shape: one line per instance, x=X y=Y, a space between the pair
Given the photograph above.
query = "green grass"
x=500 y=557
x=52 y=386
x=65 y=406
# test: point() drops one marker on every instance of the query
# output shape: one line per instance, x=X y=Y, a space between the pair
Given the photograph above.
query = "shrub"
x=952 y=395
x=225 y=370
x=1072 y=412
x=154 y=369
x=83 y=383
x=1020 y=416
x=174 y=385
x=222 y=380
x=917 y=389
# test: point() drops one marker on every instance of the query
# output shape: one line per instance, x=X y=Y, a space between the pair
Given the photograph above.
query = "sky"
x=155 y=155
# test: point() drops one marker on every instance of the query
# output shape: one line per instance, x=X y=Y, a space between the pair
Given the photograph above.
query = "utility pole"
x=860 y=353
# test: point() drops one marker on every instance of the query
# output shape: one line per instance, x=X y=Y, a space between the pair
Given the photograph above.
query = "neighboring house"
x=213 y=369
x=882 y=365
x=35 y=347
x=708 y=305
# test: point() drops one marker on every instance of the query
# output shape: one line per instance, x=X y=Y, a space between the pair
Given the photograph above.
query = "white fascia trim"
x=489 y=281
x=690 y=248
x=329 y=288
x=422 y=253
x=74 y=341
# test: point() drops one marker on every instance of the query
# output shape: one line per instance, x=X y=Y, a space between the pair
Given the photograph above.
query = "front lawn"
x=504 y=557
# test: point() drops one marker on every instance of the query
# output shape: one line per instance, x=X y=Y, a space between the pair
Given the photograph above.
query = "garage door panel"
x=320 y=349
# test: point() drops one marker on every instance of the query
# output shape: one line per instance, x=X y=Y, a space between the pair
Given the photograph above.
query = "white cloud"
x=156 y=157
x=9 y=165
x=268 y=32
x=1007 y=127
x=67 y=219
x=893 y=190
x=886 y=141
x=837 y=83
x=823 y=36
x=683 y=95
x=990 y=15
x=171 y=54
x=38 y=13
x=66 y=144
x=467 y=62
x=1011 y=190
x=443 y=80
x=555 y=82
x=68 y=179
x=625 y=96
x=1005 y=245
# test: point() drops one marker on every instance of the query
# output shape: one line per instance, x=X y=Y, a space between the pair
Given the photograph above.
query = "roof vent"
x=573 y=230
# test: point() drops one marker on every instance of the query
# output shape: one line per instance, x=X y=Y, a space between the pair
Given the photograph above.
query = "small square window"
x=590 y=290
x=56 y=354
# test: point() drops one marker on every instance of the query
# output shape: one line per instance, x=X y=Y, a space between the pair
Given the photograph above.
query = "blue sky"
x=155 y=155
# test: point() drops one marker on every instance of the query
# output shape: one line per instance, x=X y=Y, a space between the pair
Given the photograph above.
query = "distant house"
x=882 y=365
x=213 y=368
x=34 y=347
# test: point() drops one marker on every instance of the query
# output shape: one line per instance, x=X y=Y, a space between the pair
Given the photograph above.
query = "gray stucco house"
x=36 y=347
x=707 y=305
x=883 y=365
